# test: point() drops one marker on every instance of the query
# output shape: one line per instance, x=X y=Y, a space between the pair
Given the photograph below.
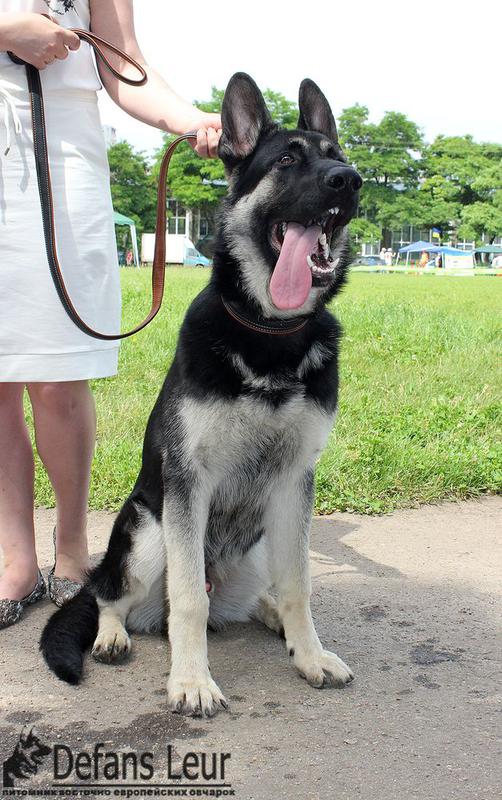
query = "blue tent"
x=428 y=247
x=418 y=247
x=451 y=251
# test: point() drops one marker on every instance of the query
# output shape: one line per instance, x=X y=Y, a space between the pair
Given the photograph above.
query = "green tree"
x=454 y=183
x=132 y=186
x=462 y=188
x=363 y=230
x=388 y=156
x=283 y=111
x=195 y=182
x=200 y=183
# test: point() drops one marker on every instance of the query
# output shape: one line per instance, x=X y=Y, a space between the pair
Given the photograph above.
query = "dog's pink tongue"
x=292 y=279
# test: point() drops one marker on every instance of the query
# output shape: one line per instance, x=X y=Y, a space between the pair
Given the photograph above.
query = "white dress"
x=38 y=341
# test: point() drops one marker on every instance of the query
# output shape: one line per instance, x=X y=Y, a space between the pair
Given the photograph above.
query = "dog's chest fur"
x=243 y=450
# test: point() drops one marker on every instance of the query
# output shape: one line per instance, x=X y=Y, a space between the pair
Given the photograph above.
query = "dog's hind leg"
x=143 y=569
x=239 y=584
x=288 y=526
x=113 y=643
x=267 y=612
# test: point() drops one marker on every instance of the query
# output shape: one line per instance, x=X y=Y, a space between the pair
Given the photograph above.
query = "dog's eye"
x=286 y=159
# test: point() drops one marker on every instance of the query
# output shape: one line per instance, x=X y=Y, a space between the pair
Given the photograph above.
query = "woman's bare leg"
x=65 y=433
x=17 y=536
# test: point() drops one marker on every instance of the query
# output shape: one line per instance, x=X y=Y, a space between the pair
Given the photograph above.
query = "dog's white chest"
x=225 y=434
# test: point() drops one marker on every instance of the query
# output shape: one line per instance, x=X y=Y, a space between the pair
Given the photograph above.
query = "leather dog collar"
x=272 y=327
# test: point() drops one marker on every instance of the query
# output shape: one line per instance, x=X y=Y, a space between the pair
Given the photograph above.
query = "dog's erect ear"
x=245 y=118
x=25 y=735
x=315 y=111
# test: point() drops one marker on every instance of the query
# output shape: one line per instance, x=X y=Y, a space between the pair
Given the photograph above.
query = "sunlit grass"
x=419 y=416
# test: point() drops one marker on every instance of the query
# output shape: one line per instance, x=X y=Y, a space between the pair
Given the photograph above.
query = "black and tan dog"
x=225 y=490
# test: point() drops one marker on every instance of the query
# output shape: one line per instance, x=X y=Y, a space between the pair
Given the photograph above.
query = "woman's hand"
x=35 y=38
x=208 y=135
x=155 y=103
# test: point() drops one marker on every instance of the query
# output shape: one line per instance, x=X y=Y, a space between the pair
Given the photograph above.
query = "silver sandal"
x=11 y=611
x=61 y=589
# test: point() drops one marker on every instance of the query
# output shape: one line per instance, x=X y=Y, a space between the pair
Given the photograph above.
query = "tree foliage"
x=201 y=183
x=462 y=188
x=133 y=187
x=454 y=183
x=387 y=155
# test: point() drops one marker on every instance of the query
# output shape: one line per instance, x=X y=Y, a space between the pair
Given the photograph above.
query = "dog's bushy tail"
x=68 y=634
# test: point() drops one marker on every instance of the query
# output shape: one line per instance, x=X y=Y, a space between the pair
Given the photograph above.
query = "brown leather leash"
x=45 y=189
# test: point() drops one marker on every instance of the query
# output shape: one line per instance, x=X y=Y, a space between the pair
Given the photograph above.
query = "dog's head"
x=291 y=195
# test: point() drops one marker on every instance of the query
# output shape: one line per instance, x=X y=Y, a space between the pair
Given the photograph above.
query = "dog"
x=225 y=493
x=24 y=762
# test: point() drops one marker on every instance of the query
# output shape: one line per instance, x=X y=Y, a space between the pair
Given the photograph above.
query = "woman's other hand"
x=35 y=38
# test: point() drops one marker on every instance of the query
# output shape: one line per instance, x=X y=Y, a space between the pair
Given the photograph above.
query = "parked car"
x=368 y=261
x=193 y=258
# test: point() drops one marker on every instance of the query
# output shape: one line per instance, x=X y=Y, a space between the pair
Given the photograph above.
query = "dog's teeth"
x=310 y=262
x=322 y=239
x=331 y=210
x=336 y=210
x=325 y=250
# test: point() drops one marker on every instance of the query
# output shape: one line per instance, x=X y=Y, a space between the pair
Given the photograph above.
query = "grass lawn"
x=419 y=416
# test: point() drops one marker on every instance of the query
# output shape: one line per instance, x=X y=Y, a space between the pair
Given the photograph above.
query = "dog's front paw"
x=112 y=646
x=196 y=696
x=322 y=668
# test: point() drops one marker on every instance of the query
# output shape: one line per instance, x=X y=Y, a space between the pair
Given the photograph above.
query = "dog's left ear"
x=25 y=735
x=315 y=111
x=245 y=118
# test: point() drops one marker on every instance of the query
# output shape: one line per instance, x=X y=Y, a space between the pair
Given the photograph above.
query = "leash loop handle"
x=45 y=191
x=98 y=44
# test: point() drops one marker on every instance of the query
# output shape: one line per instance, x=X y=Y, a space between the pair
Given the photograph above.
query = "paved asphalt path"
x=410 y=600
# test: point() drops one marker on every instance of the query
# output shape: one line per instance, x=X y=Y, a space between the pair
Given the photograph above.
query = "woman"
x=40 y=348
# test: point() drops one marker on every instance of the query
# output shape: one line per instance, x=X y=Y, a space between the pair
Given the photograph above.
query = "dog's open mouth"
x=304 y=260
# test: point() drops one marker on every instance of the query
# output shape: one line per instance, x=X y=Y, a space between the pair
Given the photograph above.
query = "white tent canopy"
x=121 y=219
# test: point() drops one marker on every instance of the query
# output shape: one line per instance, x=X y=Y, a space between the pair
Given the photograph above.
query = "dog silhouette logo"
x=24 y=762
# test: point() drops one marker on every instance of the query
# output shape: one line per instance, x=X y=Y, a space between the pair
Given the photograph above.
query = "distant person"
x=388 y=257
x=424 y=260
x=497 y=261
x=438 y=261
x=382 y=254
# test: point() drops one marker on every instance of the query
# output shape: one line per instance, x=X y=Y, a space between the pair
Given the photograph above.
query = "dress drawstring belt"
x=9 y=105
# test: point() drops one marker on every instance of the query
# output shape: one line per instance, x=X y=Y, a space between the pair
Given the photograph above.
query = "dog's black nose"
x=343 y=177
